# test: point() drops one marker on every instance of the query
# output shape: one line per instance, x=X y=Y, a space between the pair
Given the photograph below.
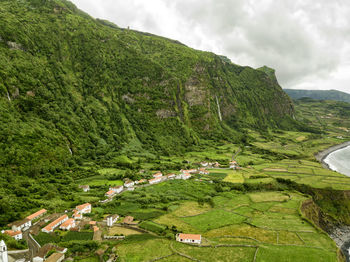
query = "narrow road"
x=33 y=247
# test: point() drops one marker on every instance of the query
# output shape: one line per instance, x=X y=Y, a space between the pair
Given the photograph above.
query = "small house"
x=157 y=175
x=117 y=189
x=85 y=188
x=17 y=235
x=129 y=183
x=171 y=176
x=51 y=227
x=67 y=225
x=84 y=208
x=142 y=181
x=45 y=249
x=203 y=171
x=37 y=214
x=155 y=180
x=189 y=238
x=21 y=225
x=110 y=193
x=128 y=220
x=55 y=257
x=204 y=164
x=76 y=215
x=111 y=220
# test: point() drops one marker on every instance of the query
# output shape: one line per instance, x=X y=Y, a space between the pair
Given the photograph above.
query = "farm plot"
x=213 y=219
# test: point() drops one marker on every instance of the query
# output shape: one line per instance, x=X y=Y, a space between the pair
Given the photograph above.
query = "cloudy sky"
x=307 y=42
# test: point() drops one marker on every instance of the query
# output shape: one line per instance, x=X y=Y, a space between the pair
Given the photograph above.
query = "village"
x=78 y=220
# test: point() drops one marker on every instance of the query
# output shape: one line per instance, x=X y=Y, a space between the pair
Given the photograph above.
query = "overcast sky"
x=307 y=42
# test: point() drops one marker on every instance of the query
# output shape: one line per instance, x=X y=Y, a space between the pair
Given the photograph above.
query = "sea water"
x=339 y=160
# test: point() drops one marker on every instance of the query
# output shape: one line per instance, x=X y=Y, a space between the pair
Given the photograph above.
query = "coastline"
x=321 y=156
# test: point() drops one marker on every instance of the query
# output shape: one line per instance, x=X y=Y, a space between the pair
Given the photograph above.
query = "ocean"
x=339 y=161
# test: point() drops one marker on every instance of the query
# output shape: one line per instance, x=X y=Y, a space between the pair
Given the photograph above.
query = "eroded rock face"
x=165 y=113
x=196 y=93
x=14 y=45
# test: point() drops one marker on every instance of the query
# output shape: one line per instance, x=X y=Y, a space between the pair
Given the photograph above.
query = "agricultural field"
x=237 y=227
x=305 y=172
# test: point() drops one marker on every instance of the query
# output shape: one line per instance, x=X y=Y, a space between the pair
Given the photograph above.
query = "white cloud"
x=307 y=42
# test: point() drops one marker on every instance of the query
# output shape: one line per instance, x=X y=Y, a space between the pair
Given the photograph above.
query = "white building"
x=203 y=171
x=3 y=252
x=17 y=235
x=171 y=176
x=116 y=189
x=68 y=224
x=85 y=188
x=51 y=227
x=189 y=238
x=157 y=175
x=21 y=225
x=155 y=180
x=84 y=208
x=129 y=183
x=111 y=220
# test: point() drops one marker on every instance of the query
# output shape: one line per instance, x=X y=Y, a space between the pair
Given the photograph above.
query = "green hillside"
x=319 y=94
x=73 y=88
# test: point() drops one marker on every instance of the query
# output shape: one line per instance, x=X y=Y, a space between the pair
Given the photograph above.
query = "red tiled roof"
x=67 y=223
x=12 y=233
x=81 y=207
x=50 y=226
x=36 y=214
x=110 y=192
x=95 y=228
x=190 y=236
x=154 y=179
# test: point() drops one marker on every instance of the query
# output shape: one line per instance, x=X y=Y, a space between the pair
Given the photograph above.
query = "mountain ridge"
x=319 y=94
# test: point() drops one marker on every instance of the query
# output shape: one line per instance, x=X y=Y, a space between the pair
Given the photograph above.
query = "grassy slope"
x=74 y=90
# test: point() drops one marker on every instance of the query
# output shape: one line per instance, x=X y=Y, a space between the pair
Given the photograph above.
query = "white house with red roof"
x=157 y=175
x=21 y=225
x=76 y=215
x=17 y=235
x=67 y=225
x=129 y=183
x=111 y=220
x=116 y=189
x=84 y=208
x=155 y=180
x=141 y=181
x=37 y=214
x=110 y=193
x=203 y=171
x=85 y=188
x=51 y=227
x=189 y=238
x=170 y=176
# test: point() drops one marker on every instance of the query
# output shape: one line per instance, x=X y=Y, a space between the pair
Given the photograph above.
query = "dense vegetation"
x=75 y=90
x=319 y=94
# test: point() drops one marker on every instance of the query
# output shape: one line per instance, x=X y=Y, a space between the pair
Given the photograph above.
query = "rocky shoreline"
x=340 y=234
x=321 y=156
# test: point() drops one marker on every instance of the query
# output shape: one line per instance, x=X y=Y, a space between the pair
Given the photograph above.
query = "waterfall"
x=219 y=112
x=8 y=96
x=70 y=150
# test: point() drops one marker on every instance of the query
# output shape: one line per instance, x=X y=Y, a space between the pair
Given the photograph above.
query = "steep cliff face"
x=73 y=87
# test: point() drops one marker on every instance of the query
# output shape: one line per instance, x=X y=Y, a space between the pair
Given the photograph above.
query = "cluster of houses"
x=157 y=178
x=66 y=223
x=18 y=227
x=234 y=165
x=63 y=222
